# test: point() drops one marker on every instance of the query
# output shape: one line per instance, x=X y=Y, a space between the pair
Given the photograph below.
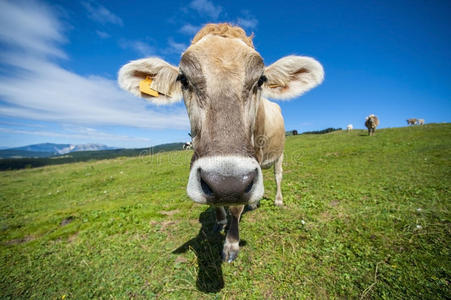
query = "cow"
x=349 y=127
x=412 y=121
x=371 y=122
x=236 y=130
x=420 y=121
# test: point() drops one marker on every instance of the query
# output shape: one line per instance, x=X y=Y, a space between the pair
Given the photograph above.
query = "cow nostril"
x=205 y=188
x=249 y=187
x=253 y=175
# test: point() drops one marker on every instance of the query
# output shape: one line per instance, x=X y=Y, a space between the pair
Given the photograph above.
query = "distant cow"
x=420 y=121
x=349 y=127
x=188 y=146
x=371 y=122
x=412 y=121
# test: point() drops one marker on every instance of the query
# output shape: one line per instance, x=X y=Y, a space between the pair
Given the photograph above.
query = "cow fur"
x=371 y=122
x=412 y=121
x=225 y=86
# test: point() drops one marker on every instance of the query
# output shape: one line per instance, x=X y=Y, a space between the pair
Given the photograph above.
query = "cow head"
x=222 y=79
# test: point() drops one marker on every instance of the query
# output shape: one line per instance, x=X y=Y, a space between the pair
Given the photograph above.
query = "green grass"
x=364 y=217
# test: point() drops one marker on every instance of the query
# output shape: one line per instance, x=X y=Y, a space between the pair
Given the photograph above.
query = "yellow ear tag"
x=144 y=87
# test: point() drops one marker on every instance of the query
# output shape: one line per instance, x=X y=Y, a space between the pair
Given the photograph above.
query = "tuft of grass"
x=364 y=217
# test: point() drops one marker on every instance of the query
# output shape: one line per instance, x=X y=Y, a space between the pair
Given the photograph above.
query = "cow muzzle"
x=225 y=180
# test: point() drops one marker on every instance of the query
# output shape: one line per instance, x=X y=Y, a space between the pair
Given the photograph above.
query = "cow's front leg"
x=221 y=218
x=231 y=244
x=278 y=175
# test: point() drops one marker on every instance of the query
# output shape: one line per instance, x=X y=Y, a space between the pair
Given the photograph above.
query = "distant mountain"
x=49 y=149
x=85 y=147
x=20 y=159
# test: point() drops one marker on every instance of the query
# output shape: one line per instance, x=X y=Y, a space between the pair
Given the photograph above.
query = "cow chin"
x=225 y=181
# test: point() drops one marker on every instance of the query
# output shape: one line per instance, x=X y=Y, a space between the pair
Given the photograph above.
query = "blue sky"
x=59 y=62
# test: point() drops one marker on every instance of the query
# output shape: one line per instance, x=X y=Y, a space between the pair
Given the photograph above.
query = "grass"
x=364 y=217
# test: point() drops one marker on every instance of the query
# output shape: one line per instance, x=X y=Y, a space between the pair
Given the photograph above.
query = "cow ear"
x=291 y=76
x=151 y=78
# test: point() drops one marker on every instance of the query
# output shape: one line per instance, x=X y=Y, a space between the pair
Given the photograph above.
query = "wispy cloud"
x=100 y=14
x=140 y=47
x=87 y=134
x=38 y=88
x=206 y=8
x=175 y=47
x=103 y=34
x=189 y=29
x=247 y=21
x=22 y=29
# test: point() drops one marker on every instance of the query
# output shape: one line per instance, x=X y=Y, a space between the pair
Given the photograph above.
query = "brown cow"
x=371 y=122
x=412 y=121
x=235 y=131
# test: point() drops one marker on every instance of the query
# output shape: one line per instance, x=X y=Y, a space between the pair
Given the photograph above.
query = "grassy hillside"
x=364 y=217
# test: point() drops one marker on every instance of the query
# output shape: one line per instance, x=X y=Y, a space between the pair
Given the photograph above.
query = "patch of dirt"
x=325 y=216
x=332 y=154
x=20 y=241
x=67 y=220
x=194 y=221
x=166 y=224
x=72 y=238
x=334 y=203
x=170 y=213
x=181 y=259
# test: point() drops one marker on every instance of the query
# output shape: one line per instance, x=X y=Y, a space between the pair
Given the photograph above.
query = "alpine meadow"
x=363 y=217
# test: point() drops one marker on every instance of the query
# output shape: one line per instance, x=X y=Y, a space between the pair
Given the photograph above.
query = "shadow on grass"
x=207 y=246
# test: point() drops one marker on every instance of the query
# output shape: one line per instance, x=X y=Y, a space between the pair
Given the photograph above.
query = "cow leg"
x=221 y=218
x=278 y=175
x=231 y=244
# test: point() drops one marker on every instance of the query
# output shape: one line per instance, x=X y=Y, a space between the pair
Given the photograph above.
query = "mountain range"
x=49 y=149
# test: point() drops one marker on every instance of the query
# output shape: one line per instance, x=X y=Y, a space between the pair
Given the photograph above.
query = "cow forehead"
x=220 y=53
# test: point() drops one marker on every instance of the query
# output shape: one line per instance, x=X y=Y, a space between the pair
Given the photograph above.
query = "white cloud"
x=23 y=29
x=103 y=34
x=101 y=15
x=189 y=29
x=87 y=134
x=139 y=47
x=175 y=47
x=247 y=21
x=207 y=8
x=37 y=88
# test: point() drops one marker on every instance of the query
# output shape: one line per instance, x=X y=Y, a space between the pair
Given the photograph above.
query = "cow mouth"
x=225 y=180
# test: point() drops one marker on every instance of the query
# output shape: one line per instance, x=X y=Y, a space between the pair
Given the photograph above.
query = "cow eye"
x=183 y=80
x=261 y=80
